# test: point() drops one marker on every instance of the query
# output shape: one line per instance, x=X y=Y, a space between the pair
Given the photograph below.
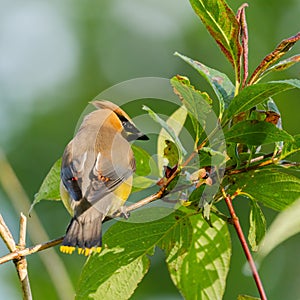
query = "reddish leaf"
x=241 y=18
x=283 y=65
x=271 y=58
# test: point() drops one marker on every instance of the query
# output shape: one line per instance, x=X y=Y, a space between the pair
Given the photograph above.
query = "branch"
x=21 y=264
x=17 y=254
x=261 y=162
x=237 y=226
x=6 y=235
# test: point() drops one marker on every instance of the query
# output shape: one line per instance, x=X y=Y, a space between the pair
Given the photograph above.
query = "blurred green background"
x=55 y=56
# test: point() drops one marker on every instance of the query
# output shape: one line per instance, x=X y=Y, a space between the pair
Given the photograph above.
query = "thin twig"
x=19 y=261
x=150 y=198
x=17 y=254
x=21 y=264
x=268 y=162
x=192 y=155
x=244 y=244
x=6 y=235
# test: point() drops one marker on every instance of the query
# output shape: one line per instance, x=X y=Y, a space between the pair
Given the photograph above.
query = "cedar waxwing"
x=96 y=174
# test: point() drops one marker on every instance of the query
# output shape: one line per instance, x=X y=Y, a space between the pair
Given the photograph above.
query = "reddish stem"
x=237 y=226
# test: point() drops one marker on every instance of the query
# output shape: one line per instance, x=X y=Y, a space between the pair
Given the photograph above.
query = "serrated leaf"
x=198 y=104
x=168 y=129
x=49 y=189
x=178 y=240
x=258 y=225
x=200 y=273
x=253 y=132
x=272 y=187
x=221 y=84
x=290 y=148
x=282 y=65
x=128 y=244
x=281 y=49
x=222 y=24
x=176 y=122
x=253 y=95
x=245 y=297
x=285 y=225
x=123 y=277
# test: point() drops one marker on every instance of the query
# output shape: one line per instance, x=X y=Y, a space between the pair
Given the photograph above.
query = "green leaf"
x=222 y=24
x=253 y=132
x=221 y=84
x=290 y=148
x=168 y=129
x=195 y=196
x=285 y=225
x=141 y=183
x=217 y=158
x=258 y=225
x=125 y=278
x=245 y=297
x=198 y=104
x=253 y=95
x=200 y=272
x=128 y=245
x=145 y=164
x=281 y=49
x=49 y=189
x=283 y=65
x=272 y=187
x=171 y=153
x=176 y=122
x=209 y=157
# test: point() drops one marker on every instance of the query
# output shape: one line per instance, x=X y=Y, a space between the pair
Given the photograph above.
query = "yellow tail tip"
x=67 y=249
x=83 y=251
x=88 y=251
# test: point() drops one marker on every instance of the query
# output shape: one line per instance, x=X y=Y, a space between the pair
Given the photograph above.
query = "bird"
x=96 y=174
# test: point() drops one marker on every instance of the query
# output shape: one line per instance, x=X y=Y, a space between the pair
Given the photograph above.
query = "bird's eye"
x=127 y=125
x=73 y=179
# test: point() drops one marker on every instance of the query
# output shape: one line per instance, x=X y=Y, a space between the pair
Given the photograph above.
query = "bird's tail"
x=83 y=232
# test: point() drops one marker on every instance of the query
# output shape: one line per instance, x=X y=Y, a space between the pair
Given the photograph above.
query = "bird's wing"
x=108 y=174
x=71 y=172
